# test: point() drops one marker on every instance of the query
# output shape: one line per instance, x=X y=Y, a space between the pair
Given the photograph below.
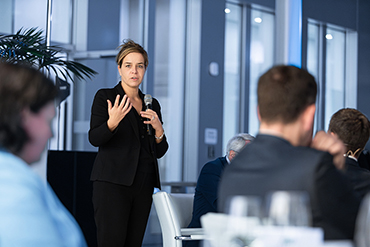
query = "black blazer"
x=271 y=163
x=119 y=151
x=360 y=177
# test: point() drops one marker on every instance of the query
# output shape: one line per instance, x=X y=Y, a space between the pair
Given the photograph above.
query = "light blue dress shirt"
x=30 y=212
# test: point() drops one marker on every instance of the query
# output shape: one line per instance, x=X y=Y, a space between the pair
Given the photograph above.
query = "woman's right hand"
x=117 y=111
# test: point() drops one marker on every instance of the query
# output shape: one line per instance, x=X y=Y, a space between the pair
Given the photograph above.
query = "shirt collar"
x=351 y=157
x=227 y=159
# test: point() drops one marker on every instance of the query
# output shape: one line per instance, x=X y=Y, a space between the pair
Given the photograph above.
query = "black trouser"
x=121 y=212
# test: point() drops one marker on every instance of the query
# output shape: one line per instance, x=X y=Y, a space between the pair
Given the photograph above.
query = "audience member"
x=353 y=128
x=205 y=198
x=30 y=213
x=364 y=159
x=285 y=157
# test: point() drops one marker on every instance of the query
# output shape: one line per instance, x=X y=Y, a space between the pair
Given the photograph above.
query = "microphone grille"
x=148 y=99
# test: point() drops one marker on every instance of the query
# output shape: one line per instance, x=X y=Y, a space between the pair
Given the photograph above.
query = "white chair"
x=174 y=213
x=362 y=230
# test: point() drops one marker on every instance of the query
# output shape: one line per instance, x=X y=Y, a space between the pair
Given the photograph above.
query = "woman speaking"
x=130 y=137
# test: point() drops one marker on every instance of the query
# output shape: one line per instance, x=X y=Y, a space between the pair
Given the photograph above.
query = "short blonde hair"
x=128 y=47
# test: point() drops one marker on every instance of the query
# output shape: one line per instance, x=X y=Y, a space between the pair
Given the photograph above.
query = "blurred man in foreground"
x=285 y=157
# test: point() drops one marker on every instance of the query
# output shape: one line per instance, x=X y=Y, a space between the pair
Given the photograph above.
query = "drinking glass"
x=288 y=208
x=244 y=215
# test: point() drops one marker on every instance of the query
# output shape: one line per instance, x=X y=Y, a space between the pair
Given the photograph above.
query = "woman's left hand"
x=153 y=120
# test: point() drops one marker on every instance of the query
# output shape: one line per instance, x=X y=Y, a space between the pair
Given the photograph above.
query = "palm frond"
x=29 y=46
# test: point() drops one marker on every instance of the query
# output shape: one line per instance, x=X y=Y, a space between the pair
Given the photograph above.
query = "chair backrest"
x=362 y=230
x=174 y=212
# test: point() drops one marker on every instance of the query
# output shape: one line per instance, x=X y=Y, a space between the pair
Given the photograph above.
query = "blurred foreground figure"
x=30 y=213
x=285 y=157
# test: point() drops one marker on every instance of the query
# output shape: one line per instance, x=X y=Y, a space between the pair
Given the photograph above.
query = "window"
x=261 y=59
x=169 y=74
x=61 y=21
x=17 y=14
x=335 y=72
x=232 y=74
x=6 y=12
x=331 y=59
x=249 y=49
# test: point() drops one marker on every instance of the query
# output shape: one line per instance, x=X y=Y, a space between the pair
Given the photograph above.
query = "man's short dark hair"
x=352 y=127
x=284 y=92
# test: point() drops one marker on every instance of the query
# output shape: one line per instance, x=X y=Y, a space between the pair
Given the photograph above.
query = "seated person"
x=205 y=198
x=364 y=159
x=353 y=128
x=30 y=212
x=283 y=156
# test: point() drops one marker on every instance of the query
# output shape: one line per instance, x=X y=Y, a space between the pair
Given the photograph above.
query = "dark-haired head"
x=284 y=92
x=21 y=87
x=352 y=127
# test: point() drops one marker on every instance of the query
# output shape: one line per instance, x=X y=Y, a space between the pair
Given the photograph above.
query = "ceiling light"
x=329 y=36
x=258 y=19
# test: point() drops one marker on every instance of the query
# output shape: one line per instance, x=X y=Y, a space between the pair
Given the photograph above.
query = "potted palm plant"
x=29 y=46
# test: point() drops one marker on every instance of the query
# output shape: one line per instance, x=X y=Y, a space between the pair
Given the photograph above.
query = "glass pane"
x=6 y=13
x=232 y=72
x=61 y=21
x=131 y=18
x=25 y=18
x=61 y=17
x=169 y=81
x=103 y=25
x=313 y=58
x=313 y=50
x=261 y=58
x=335 y=72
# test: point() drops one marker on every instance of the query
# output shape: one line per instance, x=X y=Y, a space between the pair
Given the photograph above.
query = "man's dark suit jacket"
x=360 y=177
x=119 y=151
x=271 y=163
x=364 y=159
x=205 y=198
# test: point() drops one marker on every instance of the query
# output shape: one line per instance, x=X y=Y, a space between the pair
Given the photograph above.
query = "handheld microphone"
x=148 y=105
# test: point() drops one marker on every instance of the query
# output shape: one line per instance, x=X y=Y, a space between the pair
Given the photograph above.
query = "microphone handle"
x=149 y=128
